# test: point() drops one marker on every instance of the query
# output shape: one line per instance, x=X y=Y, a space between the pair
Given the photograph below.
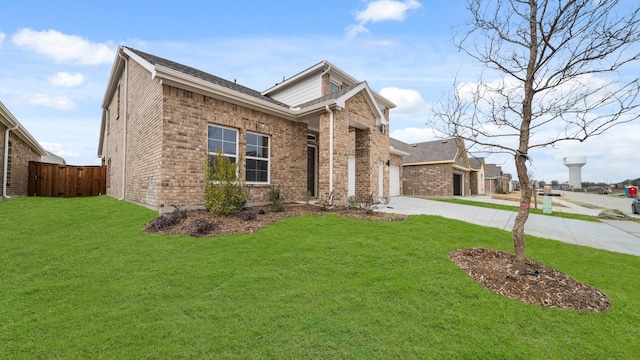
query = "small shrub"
x=167 y=220
x=326 y=202
x=385 y=200
x=369 y=204
x=248 y=215
x=275 y=199
x=353 y=202
x=306 y=196
x=223 y=194
x=202 y=227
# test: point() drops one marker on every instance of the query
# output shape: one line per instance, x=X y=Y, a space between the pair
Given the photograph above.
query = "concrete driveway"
x=617 y=236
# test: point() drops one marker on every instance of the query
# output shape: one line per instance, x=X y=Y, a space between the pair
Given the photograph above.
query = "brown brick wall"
x=368 y=144
x=18 y=164
x=187 y=116
x=428 y=180
x=144 y=137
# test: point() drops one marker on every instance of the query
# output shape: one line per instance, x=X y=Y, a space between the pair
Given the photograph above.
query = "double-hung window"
x=225 y=139
x=257 y=158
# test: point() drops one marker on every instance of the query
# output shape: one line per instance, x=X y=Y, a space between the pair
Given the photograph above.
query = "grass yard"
x=79 y=279
x=515 y=208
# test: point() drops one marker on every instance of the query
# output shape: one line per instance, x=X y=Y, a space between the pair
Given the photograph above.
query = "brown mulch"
x=252 y=219
x=551 y=288
x=491 y=268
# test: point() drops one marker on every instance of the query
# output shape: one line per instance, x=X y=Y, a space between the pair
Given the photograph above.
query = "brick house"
x=17 y=148
x=496 y=181
x=435 y=168
x=320 y=131
x=478 y=170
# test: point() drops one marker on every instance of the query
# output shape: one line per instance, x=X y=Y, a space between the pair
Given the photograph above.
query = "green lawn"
x=79 y=279
x=515 y=208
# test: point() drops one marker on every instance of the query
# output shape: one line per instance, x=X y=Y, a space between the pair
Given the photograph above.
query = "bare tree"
x=558 y=63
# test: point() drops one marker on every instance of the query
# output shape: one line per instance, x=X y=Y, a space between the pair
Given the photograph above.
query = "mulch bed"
x=494 y=270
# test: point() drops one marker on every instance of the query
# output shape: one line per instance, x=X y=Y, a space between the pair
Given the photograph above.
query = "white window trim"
x=223 y=153
x=268 y=160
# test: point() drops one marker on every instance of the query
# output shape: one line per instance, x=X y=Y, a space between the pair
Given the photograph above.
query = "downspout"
x=124 y=124
x=6 y=161
x=330 y=149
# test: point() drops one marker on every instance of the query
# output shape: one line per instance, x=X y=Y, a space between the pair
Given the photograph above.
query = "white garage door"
x=394 y=180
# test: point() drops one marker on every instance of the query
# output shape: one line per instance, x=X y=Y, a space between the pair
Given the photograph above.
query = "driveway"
x=617 y=236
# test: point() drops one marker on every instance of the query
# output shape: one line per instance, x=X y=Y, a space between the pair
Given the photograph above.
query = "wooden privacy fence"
x=54 y=180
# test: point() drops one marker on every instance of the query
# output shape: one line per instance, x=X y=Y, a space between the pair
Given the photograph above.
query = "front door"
x=457 y=185
x=312 y=169
x=351 y=175
x=394 y=180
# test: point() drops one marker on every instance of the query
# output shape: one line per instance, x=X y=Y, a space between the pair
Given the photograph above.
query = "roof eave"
x=174 y=77
x=395 y=151
x=10 y=121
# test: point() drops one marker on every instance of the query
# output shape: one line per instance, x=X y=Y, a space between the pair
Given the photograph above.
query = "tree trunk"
x=523 y=214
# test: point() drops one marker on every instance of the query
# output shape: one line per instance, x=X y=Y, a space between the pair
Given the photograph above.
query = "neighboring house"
x=435 y=168
x=493 y=179
x=478 y=170
x=52 y=158
x=17 y=148
x=496 y=181
x=320 y=131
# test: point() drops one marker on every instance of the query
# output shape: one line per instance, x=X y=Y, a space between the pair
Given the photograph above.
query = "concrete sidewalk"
x=618 y=236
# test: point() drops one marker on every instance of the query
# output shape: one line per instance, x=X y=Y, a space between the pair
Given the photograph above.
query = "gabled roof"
x=477 y=163
x=431 y=152
x=325 y=66
x=186 y=77
x=10 y=122
x=158 y=61
x=493 y=171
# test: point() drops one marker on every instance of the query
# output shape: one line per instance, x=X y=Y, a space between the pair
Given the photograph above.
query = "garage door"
x=394 y=180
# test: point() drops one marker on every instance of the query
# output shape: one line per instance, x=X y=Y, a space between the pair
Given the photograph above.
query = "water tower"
x=575 y=164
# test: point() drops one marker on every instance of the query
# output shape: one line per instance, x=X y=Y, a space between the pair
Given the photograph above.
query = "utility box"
x=547 y=205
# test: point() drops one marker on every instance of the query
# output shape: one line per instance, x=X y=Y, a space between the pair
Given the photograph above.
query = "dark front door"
x=457 y=184
x=311 y=170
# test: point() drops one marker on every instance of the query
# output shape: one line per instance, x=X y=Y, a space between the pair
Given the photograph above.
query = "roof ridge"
x=189 y=70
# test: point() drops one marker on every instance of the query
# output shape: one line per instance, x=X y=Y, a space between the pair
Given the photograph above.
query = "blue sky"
x=56 y=58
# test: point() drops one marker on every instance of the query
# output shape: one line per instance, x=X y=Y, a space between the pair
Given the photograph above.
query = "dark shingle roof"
x=155 y=60
x=431 y=151
x=493 y=171
x=475 y=163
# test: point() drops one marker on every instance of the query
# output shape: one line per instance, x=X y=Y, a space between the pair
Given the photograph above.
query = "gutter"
x=6 y=161
x=124 y=124
x=330 y=149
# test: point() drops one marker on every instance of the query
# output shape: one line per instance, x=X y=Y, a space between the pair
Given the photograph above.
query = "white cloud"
x=411 y=135
x=2 y=37
x=381 y=10
x=66 y=80
x=56 y=102
x=59 y=149
x=64 y=48
x=409 y=101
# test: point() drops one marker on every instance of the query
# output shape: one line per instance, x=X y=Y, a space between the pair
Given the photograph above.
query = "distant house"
x=320 y=131
x=496 y=181
x=17 y=148
x=478 y=170
x=435 y=168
